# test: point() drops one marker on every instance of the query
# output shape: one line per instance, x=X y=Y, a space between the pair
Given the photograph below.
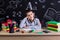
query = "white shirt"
x=35 y=25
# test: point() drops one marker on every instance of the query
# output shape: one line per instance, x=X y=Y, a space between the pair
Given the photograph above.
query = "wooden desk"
x=29 y=36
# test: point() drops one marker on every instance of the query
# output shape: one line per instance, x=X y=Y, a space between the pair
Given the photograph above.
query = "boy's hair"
x=27 y=11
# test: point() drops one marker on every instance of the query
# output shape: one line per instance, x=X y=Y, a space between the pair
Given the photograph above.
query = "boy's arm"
x=22 y=24
x=38 y=26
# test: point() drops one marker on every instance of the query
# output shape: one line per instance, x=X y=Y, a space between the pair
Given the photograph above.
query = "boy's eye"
x=30 y=14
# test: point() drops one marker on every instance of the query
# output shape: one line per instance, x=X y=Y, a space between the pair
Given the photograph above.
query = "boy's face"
x=30 y=15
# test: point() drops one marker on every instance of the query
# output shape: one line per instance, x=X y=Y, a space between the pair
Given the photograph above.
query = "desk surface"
x=33 y=33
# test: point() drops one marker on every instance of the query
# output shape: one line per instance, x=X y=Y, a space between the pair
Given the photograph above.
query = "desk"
x=29 y=36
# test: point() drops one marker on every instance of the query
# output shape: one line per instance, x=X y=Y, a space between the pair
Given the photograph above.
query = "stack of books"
x=6 y=28
x=53 y=25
